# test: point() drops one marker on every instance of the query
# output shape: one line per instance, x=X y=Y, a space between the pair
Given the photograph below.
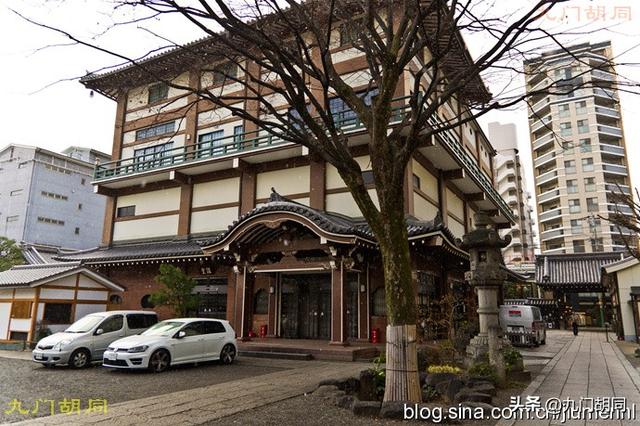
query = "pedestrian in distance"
x=575 y=327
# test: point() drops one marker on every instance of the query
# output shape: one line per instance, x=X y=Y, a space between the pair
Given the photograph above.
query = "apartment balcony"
x=550 y=215
x=605 y=93
x=546 y=177
x=445 y=152
x=548 y=196
x=559 y=250
x=612 y=149
x=602 y=75
x=544 y=159
x=538 y=124
x=551 y=234
x=625 y=189
x=543 y=141
x=617 y=208
x=608 y=112
x=610 y=130
x=511 y=199
x=540 y=107
x=614 y=169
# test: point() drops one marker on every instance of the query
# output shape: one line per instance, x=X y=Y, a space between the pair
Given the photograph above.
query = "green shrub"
x=379 y=374
x=484 y=370
x=429 y=393
x=511 y=358
x=428 y=355
x=444 y=369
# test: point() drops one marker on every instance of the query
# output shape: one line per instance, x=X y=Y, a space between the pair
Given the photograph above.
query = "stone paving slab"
x=201 y=405
x=587 y=366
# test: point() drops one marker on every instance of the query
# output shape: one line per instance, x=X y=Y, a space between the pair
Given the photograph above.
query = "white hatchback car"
x=172 y=342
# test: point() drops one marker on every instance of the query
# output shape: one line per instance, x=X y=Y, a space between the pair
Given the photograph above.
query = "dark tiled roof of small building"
x=572 y=269
x=133 y=251
x=24 y=275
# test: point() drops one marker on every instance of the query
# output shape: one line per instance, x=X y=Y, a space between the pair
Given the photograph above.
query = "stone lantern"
x=486 y=275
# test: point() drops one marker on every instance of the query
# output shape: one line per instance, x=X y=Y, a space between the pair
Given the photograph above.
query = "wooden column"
x=363 y=305
x=442 y=198
x=317 y=190
x=109 y=217
x=247 y=189
x=34 y=315
x=408 y=189
x=184 y=214
x=338 y=308
x=243 y=296
x=273 y=302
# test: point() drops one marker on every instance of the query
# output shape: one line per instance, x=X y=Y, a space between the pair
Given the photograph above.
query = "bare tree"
x=283 y=49
x=626 y=218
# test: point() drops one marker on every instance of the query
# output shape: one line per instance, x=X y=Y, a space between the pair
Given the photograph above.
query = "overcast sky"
x=65 y=114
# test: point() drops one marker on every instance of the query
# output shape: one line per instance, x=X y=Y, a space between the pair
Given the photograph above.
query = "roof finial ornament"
x=275 y=197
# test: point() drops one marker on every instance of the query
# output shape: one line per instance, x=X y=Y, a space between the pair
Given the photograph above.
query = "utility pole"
x=594 y=244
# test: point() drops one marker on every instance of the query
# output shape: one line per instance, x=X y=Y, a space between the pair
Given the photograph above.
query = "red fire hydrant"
x=263 y=330
x=375 y=333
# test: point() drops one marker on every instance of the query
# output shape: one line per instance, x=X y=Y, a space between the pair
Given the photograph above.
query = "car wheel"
x=80 y=358
x=159 y=361
x=228 y=354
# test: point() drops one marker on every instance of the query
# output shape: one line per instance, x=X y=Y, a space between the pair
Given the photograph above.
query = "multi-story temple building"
x=270 y=231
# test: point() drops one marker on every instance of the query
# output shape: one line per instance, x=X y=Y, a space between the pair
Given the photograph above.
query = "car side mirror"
x=99 y=332
x=181 y=334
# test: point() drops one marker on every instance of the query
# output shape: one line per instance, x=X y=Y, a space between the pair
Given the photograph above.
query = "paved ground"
x=586 y=367
x=203 y=404
x=29 y=382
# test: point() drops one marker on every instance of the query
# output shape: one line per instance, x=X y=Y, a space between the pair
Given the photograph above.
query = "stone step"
x=297 y=356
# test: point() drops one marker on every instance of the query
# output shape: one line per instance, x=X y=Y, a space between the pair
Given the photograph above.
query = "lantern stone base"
x=478 y=349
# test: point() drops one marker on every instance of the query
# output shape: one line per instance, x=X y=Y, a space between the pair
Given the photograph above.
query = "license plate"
x=37 y=356
x=112 y=356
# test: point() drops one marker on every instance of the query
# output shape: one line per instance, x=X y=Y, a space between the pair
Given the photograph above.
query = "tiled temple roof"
x=581 y=269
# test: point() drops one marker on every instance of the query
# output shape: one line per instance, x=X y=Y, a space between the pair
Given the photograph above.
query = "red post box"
x=263 y=330
x=375 y=335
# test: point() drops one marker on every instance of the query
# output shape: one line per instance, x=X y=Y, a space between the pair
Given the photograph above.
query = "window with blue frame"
x=153 y=156
x=342 y=114
x=156 y=130
x=238 y=134
x=208 y=142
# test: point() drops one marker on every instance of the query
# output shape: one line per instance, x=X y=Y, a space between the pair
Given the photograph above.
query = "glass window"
x=379 y=306
x=158 y=92
x=213 y=327
x=156 y=130
x=208 y=141
x=57 y=313
x=261 y=302
x=238 y=133
x=140 y=321
x=587 y=164
x=193 y=329
x=581 y=107
x=348 y=34
x=565 y=129
x=583 y=126
x=585 y=145
x=112 y=324
x=592 y=204
x=145 y=301
x=576 y=226
x=572 y=186
x=228 y=71
x=367 y=177
x=126 y=211
x=597 y=244
x=590 y=184
x=564 y=110
x=567 y=147
x=570 y=166
x=416 y=181
x=578 y=246
x=574 y=206
x=153 y=156
x=342 y=113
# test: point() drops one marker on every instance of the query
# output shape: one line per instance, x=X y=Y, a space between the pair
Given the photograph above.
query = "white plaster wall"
x=158 y=109
x=145 y=228
x=153 y=201
x=456 y=228
x=346 y=54
x=424 y=209
x=286 y=181
x=25 y=293
x=22 y=324
x=454 y=204
x=68 y=281
x=216 y=192
x=428 y=182
x=213 y=220
x=627 y=278
x=333 y=179
x=86 y=281
x=55 y=293
x=5 y=312
x=140 y=95
x=345 y=204
x=92 y=295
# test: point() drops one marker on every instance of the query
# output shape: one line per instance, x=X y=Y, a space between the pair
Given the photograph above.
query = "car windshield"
x=84 y=325
x=163 y=328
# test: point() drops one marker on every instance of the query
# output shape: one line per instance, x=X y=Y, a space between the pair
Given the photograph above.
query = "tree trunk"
x=402 y=380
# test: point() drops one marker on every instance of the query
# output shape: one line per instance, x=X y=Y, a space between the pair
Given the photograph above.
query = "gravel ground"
x=28 y=382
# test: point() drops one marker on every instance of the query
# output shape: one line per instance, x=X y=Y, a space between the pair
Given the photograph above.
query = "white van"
x=526 y=320
x=86 y=339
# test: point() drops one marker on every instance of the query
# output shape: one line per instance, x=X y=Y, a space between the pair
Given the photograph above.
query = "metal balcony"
x=614 y=168
x=546 y=177
x=612 y=149
x=605 y=93
x=549 y=215
x=610 y=130
x=543 y=159
x=549 y=195
x=543 y=141
x=551 y=234
x=608 y=112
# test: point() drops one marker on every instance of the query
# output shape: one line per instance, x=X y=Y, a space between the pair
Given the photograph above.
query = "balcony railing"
x=612 y=149
x=539 y=124
x=544 y=158
x=602 y=75
x=617 y=208
x=605 y=93
x=614 y=169
x=547 y=176
x=610 y=130
x=549 y=195
x=617 y=188
x=540 y=142
x=551 y=214
x=552 y=233
x=238 y=143
x=609 y=112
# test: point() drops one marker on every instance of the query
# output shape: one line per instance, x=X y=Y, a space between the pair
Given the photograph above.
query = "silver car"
x=86 y=339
